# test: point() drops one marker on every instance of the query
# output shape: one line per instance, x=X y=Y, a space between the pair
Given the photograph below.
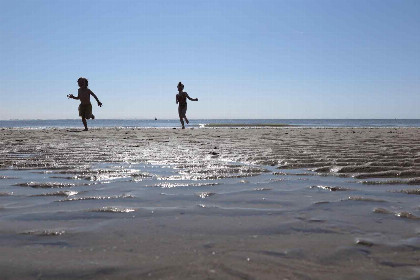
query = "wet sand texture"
x=214 y=203
x=360 y=152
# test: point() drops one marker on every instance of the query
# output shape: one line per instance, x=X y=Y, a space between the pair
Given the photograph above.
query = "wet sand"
x=216 y=203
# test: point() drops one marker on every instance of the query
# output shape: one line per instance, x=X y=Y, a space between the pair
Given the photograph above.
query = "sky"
x=262 y=59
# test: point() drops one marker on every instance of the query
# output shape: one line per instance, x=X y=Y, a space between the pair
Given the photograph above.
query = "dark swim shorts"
x=182 y=110
x=85 y=110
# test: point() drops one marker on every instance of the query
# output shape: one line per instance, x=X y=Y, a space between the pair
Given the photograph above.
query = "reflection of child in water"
x=181 y=99
x=85 y=107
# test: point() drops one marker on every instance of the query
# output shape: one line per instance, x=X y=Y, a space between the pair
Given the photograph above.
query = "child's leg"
x=186 y=120
x=84 y=123
x=182 y=122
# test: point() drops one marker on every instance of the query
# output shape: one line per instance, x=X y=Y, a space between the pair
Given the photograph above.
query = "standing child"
x=85 y=107
x=181 y=99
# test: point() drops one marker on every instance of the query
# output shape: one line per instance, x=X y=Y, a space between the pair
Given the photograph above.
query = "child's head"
x=83 y=82
x=180 y=86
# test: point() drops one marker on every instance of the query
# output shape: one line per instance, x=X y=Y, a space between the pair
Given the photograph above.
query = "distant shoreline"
x=247 y=125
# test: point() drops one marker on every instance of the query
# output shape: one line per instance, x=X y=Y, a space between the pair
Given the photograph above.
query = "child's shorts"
x=85 y=110
x=182 y=110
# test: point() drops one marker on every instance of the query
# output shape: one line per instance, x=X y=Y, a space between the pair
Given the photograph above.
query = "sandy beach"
x=212 y=203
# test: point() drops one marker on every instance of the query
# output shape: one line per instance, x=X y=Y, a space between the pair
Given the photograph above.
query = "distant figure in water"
x=85 y=107
x=181 y=100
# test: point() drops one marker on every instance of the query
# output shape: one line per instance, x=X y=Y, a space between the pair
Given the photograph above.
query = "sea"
x=169 y=123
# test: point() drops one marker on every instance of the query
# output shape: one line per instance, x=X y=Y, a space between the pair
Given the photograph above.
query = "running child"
x=181 y=100
x=85 y=107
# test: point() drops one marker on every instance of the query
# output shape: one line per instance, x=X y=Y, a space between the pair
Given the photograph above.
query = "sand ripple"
x=7 y=177
x=169 y=185
x=401 y=214
x=47 y=232
x=382 y=211
x=113 y=210
x=414 y=191
x=205 y=194
x=59 y=193
x=328 y=188
x=367 y=199
x=96 y=198
x=406 y=215
x=413 y=181
x=5 y=194
x=47 y=185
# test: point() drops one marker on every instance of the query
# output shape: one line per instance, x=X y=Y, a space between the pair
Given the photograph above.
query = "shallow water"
x=123 y=212
x=71 y=213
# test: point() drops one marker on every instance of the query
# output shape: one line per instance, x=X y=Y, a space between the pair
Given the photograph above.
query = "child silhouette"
x=85 y=107
x=181 y=100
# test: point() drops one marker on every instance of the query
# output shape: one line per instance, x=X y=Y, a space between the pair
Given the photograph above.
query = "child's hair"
x=83 y=82
x=180 y=85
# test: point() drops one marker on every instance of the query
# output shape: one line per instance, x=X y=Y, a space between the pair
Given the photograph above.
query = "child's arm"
x=176 y=97
x=192 y=99
x=97 y=100
x=72 y=96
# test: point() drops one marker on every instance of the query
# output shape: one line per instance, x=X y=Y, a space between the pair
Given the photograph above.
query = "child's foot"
x=183 y=127
x=85 y=129
x=187 y=121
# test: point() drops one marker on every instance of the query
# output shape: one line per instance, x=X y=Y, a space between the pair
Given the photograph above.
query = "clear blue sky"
x=242 y=59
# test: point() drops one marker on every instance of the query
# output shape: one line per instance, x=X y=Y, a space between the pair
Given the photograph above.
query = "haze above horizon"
x=261 y=59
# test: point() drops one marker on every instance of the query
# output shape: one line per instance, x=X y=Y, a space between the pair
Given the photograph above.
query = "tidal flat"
x=210 y=203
